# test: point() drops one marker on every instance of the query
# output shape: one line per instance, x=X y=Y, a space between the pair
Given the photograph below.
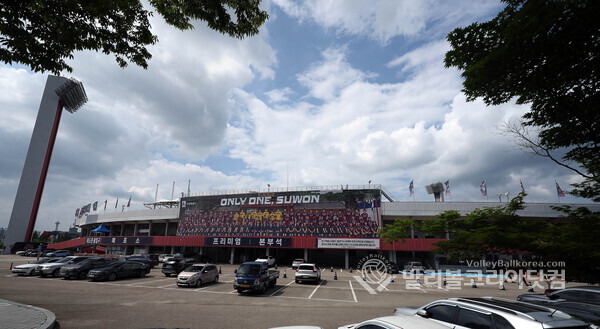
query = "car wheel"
x=263 y=289
x=31 y=272
x=82 y=275
x=56 y=273
x=42 y=275
x=297 y=281
x=216 y=280
x=240 y=291
x=112 y=276
x=167 y=274
x=142 y=273
x=198 y=283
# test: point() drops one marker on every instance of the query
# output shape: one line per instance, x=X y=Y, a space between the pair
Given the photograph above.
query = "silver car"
x=492 y=312
x=29 y=269
x=414 y=267
x=197 y=274
x=397 y=322
x=308 y=272
x=54 y=268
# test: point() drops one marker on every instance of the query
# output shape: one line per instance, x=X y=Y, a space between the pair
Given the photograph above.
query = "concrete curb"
x=16 y=315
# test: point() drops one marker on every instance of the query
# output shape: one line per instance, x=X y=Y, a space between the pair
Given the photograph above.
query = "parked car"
x=59 y=253
x=163 y=257
x=270 y=260
x=197 y=274
x=296 y=262
x=54 y=268
x=21 y=253
x=396 y=322
x=81 y=269
x=393 y=268
x=582 y=294
x=254 y=276
x=414 y=267
x=146 y=259
x=29 y=269
x=580 y=302
x=176 y=265
x=308 y=272
x=491 y=312
x=119 y=270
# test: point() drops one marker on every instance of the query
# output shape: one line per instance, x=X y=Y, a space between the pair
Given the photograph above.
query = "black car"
x=118 y=270
x=81 y=269
x=580 y=294
x=176 y=265
x=146 y=259
x=393 y=268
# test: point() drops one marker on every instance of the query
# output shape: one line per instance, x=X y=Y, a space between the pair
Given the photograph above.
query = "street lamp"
x=269 y=187
x=59 y=93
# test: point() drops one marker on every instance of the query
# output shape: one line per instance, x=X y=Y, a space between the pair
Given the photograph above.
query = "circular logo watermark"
x=374 y=269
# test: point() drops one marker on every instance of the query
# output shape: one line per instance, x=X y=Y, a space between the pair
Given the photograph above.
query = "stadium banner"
x=317 y=213
x=247 y=242
x=348 y=243
x=128 y=240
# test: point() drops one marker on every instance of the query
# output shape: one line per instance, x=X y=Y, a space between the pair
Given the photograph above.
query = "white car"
x=308 y=272
x=297 y=263
x=29 y=269
x=270 y=260
x=397 y=322
x=163 y=257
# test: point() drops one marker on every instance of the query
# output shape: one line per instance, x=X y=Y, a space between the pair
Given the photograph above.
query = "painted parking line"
x=352 y=289
x=323 y=299
x=313 y=292
x=280 y=289
x=147 y=282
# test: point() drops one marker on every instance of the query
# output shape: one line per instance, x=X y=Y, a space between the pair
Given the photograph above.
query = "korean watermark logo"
x=374 y=273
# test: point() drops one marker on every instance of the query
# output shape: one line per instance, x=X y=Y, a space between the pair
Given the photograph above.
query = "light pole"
x=59 y=93
x=268 y=187
x=499 y=196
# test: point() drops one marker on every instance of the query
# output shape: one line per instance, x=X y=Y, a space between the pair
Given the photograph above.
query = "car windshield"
x=306 y=267
x=87 y=261
x=64 y=260
x=249 y=269
x=298 y=260
x=194 y=268
x=77 y=260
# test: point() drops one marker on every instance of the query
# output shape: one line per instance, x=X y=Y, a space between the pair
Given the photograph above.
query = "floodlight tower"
x=436 y=189
x=59 y=92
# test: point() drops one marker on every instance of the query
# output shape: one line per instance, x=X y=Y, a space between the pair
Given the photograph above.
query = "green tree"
x=41 y=34
x=545 y=54
x=398 y=230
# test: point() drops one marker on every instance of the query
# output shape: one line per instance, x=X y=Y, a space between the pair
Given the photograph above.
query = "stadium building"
x=334 y=226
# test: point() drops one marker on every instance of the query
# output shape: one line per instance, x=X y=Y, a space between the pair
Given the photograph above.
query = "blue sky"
x=328 y=93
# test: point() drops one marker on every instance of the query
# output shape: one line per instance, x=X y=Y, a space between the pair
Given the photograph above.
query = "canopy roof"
x=101 y=229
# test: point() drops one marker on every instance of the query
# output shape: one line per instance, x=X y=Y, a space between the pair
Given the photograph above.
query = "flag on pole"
x=411 y=188
x=447 y=183
x=522 y=187
x=483 y=188
x=559 y=191
x=129 y=202
x=105 y=202
x=117 y=203
x=77 y=212
x=95 y=205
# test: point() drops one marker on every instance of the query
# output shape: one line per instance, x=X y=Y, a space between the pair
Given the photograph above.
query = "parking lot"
x=155 y=301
